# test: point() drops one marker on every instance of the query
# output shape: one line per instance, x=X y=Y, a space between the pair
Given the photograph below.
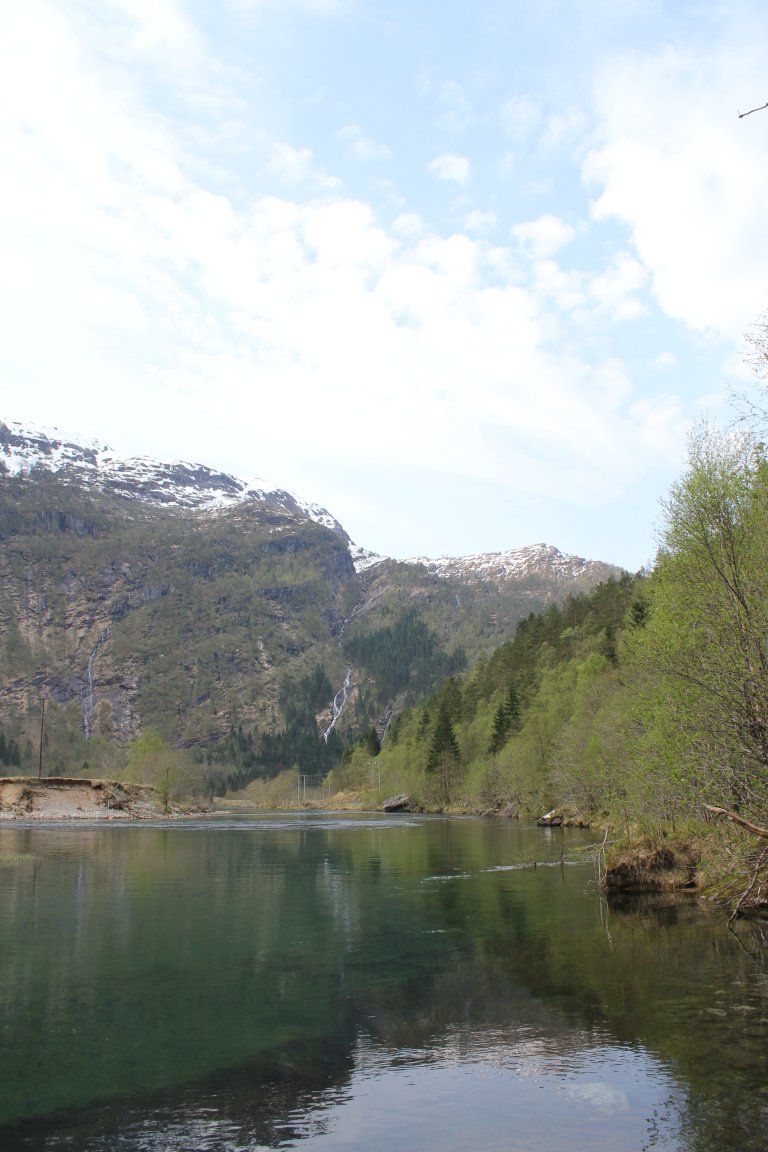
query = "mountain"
x=25 y=449
x=136 y=593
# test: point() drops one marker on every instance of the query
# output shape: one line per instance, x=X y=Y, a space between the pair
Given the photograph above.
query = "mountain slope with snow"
x=194 y=487
x=179 y=484
x=513 y=564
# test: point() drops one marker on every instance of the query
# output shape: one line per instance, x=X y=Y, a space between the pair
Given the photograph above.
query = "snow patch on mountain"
x=181 y=484
x=24 y=447
x=515 y=563
x=363 y=558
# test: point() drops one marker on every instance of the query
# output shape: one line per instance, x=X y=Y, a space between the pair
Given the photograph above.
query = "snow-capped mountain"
x=513 y=564
x=24 y=447
x=191 y=486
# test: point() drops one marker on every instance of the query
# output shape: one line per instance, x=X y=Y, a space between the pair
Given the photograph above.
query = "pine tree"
x=424 y=722
x=500 y=730
x=514 y=709
x=507 y=719
x=444 y=756
x=372 y=742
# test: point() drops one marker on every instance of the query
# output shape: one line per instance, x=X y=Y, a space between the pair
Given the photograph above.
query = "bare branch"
x=743 y=114
x=753 y=882
x=755 y=829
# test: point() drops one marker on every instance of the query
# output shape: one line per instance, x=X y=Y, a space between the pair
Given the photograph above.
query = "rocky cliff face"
x=125 y=615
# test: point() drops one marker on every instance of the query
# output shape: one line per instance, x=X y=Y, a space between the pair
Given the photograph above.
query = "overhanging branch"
x=755 y=829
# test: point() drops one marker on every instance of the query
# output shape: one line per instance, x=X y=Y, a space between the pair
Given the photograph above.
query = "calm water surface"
x=341 y=982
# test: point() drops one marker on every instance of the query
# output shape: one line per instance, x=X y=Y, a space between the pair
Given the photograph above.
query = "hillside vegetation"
x=146 y=631
x=640 y=706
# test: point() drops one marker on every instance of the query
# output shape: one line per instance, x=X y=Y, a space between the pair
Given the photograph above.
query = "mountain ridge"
x=194 y=486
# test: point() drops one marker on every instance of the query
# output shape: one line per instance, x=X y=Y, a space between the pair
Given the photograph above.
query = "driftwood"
x=755 y=829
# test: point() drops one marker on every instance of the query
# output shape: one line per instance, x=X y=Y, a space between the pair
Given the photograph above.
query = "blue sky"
x=463 y=273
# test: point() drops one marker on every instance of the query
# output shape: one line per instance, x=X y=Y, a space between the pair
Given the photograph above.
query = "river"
x=323 y=982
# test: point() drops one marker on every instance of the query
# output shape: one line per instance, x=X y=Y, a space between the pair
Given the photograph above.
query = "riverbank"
x=709 y=860
x=73 y=798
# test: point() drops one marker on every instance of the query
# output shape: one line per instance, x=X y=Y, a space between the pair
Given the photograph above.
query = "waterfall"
x=88 y=693
x=338 y=707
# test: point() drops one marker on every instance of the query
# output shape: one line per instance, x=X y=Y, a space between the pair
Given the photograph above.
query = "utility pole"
x=42 y=729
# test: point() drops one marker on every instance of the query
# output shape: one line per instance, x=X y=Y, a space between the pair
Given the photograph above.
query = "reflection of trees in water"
x=288 y=959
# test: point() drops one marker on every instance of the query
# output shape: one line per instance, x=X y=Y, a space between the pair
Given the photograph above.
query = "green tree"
x=506 y=720
x=706 y=638
x=168 y=770
x=372 y=742
x=444 y=756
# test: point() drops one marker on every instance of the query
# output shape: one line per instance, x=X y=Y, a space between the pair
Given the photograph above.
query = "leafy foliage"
x=705 y=647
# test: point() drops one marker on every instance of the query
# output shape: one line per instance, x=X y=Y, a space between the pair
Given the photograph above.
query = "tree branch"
x=743 y=114
x=753 y=828
x=753 y=880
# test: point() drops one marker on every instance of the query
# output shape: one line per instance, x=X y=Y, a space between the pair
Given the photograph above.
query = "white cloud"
x=408 y=224
x=544 y=236
x=688 y=178
x=614 y=289
x=161 y=26
x=361 y=146
x=567 y=290
x=311 y=7
x=563 y=129
x=480 y=221
x=297 y=166
x=457 y=112
x=451 y=168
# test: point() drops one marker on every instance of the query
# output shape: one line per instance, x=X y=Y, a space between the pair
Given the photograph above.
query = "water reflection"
x=357 y=982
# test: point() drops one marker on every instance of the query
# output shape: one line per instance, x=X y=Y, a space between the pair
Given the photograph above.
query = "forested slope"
x=641 y=705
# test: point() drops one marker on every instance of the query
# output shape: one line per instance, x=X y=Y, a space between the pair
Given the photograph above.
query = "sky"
x=463 y=273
